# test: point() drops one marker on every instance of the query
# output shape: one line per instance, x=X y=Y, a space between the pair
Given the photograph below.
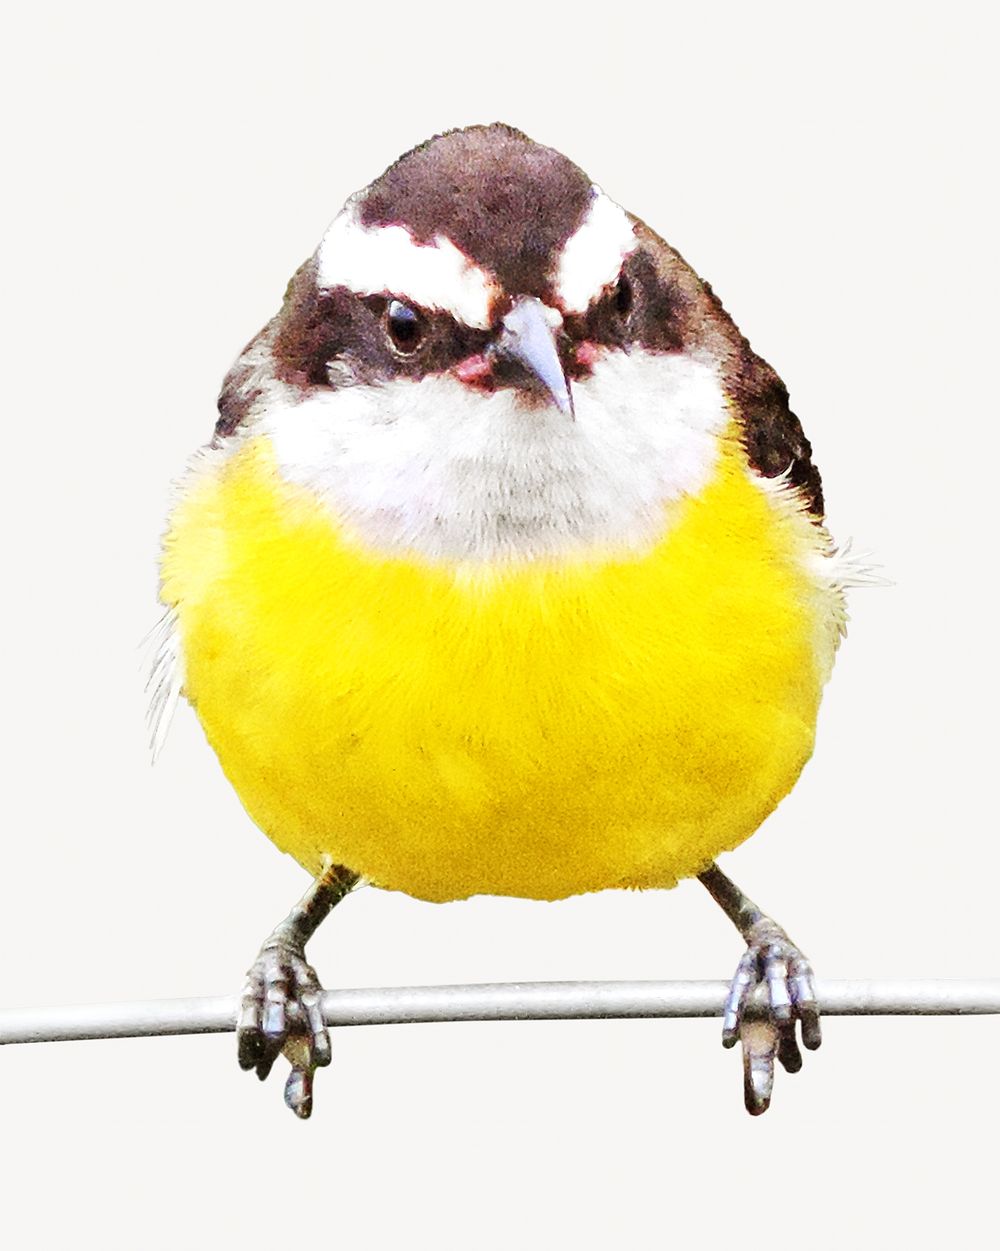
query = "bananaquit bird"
x=505 y=572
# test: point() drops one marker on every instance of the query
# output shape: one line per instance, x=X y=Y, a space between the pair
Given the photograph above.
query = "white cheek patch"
x=429 y=468
x=388 y=260
x=592 y=256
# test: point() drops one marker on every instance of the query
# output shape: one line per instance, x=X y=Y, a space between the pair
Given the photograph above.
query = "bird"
x=505 y=572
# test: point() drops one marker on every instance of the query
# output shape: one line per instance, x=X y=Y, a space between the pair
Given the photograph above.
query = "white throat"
x=428 y=467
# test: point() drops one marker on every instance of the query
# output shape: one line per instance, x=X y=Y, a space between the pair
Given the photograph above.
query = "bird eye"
x=623 y=297
x=404 y=327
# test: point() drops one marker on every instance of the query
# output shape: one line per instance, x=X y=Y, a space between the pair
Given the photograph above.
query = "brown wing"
x=693 y=314
x=772 y=434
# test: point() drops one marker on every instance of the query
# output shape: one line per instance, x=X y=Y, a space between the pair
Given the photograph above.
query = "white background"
x=831 y=171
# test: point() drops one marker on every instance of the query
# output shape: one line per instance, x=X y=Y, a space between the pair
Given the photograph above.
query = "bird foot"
x=280 y=1013
x=767 y=1030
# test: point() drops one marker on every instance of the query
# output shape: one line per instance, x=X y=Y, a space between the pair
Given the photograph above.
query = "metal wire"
x=509 y=1001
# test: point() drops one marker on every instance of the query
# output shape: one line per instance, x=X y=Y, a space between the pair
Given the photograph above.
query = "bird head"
x=487 y=358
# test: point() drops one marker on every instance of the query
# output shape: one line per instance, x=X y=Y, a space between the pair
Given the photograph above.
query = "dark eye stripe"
x=641 y=308
x=318 y=329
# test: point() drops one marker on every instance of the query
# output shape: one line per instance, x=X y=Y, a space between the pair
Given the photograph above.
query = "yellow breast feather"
x=537 y=730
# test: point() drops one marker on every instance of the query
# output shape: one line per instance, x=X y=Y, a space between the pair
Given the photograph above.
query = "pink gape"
x=478 y=370
x=475 y=370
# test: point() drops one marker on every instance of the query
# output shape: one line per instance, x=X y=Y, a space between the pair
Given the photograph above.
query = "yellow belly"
x=539 y=730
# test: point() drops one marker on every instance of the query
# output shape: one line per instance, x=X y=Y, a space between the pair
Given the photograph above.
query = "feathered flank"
x=165 y=681
x=833 y=567
x=846 y=569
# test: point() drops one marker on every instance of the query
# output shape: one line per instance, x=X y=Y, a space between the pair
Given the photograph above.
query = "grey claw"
x=803 y=995
x=760 y=1042
x=298 y=1092
x=778 y=995
x=321 y=1052
x=736 y=1001
x=281 y=1010
x=771 y=960
x=275 y=1023
x=812 y=1034
x=248 y=1030
x=788 y=1050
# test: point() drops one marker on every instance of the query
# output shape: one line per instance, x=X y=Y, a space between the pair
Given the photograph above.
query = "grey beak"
x=528 y=343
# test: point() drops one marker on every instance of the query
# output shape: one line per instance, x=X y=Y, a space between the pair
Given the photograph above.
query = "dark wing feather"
x=772 y=434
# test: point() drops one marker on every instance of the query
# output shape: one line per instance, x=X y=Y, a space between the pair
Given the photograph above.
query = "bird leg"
x=771 y=960
x=280 y=1009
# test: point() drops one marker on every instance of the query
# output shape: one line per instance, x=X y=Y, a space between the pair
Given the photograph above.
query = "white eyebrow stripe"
x=592 y=256
x=388 y=260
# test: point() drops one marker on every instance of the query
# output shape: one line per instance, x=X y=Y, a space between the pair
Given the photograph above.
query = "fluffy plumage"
x=535 y=729
x=440 y=633
x=428 y=468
